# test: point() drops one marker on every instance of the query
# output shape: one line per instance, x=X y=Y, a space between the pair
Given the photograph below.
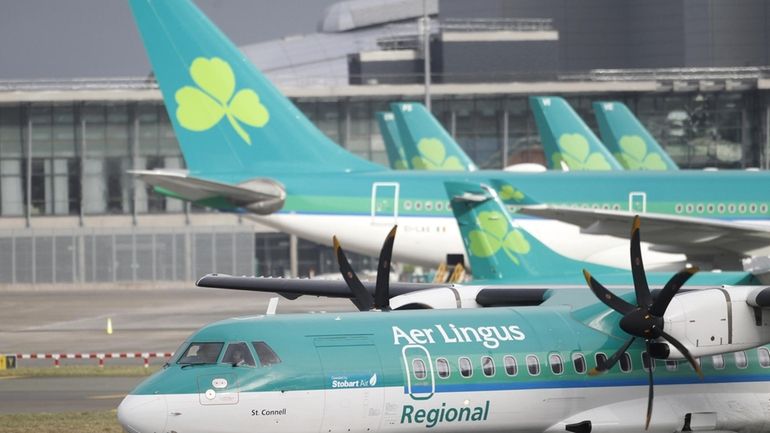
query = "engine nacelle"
x=714 y=321
x=438 y=298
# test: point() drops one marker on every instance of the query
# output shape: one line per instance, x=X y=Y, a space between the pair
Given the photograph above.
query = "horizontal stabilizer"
x=261 y=196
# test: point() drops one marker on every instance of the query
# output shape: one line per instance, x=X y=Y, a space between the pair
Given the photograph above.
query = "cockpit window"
x=265 y=354
x=239 y=355
x=201 y=353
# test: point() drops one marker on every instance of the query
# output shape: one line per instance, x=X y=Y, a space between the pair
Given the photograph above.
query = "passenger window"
x=511 y=369
x=488 y=366
x=764 y=357
x=600 y=359
x=201 y=353
x=625 y=363
x=265 y=354
x=466 y=369
x=533 y=365
x=239 y=355
x=557 y=366
x=442 y=367
x=418 y=368
x=579 y=363
x=647 y=362
x=740 y=360
x=718 y=361
x=672 y=365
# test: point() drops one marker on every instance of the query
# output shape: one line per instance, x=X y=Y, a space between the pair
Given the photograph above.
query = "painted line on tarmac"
x=9 y=377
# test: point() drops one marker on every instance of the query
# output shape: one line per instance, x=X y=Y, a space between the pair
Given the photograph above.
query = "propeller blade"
x=642 y=289
x=650 y=393
x=382 y=290
x=670 y=289
x=361 y=297
x=612 y=360
x=683 y=350
x=607 y=297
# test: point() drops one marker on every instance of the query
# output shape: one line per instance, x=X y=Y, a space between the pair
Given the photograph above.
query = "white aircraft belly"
x=427 y=240
x=738 y=406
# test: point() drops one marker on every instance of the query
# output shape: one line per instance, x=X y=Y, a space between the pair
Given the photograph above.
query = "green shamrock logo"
x=433 y=156
x=634 y=154
x=508 y=193
x=493 y=234
x=575 y=152
x=202 y=107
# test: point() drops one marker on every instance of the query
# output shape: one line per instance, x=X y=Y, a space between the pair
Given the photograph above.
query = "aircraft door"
x=418 y=368
x=637 y=202
x=352 y=374
x=385 y=203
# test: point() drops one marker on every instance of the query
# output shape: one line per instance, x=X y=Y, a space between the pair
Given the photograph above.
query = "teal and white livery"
x=427 y=145
x=392 y=139
x=249 y=149
x=569 y=143
x=627 y=139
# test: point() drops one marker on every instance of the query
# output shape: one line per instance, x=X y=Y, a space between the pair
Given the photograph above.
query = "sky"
x=58 y=39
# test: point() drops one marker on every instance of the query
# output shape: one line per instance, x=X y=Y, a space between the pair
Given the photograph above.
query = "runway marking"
x=9 y=377
x=106 y=397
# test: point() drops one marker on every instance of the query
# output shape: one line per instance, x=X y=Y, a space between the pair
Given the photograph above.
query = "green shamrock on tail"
x=202 y=107
x=433 y=156
x=575 y=152
x=494 y=234
x=634 y=154
x=508 y=193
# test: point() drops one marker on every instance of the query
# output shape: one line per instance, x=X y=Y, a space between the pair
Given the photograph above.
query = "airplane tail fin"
x=496 y=246
x=428 y=146
x=390 y=135
x=627 y=139
x=231 y=122
x=568 y=142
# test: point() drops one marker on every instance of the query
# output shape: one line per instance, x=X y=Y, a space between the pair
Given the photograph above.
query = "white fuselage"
x=732 y=407
x=427 y=240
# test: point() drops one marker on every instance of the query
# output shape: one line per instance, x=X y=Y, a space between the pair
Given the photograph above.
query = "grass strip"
x=81 y=422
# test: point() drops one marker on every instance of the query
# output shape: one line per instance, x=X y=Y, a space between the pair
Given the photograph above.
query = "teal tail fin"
x=428 y=146
x=499 y=249
x=630 y=142
x=568 y=142
x=231 y=122
x=389 y=131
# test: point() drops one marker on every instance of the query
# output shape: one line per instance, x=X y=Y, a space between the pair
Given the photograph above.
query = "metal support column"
x=293 y=256
x=505 y=138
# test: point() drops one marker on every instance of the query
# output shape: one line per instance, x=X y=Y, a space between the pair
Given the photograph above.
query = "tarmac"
x=145 y=320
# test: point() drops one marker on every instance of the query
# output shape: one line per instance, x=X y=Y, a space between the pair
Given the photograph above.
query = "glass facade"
x=72 y=159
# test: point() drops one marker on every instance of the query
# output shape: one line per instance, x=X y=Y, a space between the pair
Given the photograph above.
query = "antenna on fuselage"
x=272 y=306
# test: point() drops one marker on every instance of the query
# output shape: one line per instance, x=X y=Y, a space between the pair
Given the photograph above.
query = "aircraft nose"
x=143 y=414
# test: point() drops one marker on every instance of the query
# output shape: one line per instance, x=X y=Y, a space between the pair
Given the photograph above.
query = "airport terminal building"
x=697 y=74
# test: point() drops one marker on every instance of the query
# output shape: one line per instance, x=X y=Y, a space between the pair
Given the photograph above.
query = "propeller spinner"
x=362 y=299
x=645 y=319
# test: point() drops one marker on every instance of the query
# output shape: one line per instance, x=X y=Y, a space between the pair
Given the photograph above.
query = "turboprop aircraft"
x=628 y=140
x=554 y=360
x=249 y=149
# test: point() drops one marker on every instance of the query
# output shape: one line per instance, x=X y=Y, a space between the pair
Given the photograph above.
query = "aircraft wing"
x=262 y=196
x=697 y=237
x=293 y=288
